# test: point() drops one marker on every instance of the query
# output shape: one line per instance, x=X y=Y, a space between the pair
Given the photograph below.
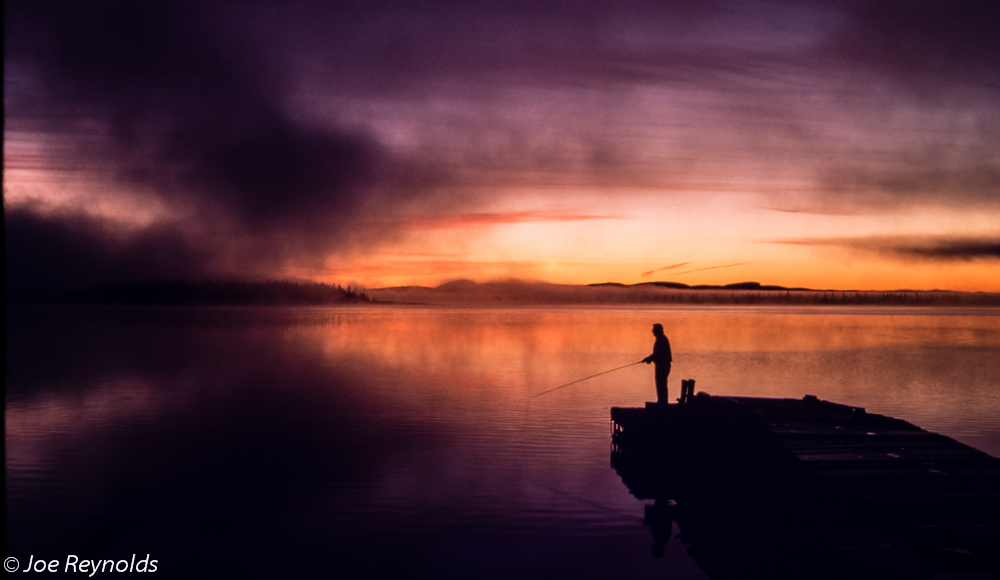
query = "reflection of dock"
x=803 y=487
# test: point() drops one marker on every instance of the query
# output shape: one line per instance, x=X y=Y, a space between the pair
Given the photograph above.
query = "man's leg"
x=662 y=372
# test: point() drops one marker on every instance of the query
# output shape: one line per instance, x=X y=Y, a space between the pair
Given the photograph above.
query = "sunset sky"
x=828 y=144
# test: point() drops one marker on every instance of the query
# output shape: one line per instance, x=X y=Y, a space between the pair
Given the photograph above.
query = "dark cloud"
x=913 y=248
x=175 y=98
x=953 y=250
x=192 y=111
x=60 y=252
x=195 y=99
x=923 y=41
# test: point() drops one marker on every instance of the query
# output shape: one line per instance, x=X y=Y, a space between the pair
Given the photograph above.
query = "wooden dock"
x=788 y=488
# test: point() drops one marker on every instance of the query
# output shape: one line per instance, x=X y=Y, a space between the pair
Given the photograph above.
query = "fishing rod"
x=585 y=378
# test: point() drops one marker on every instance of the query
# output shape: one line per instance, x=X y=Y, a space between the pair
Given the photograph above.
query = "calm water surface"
x=368 y=442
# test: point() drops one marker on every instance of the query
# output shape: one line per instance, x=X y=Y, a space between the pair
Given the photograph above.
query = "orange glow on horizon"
x=694 y=241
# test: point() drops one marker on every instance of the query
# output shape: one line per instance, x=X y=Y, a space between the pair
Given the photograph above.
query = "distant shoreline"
x=209 y=293
x=508 y=293
x=464 y=292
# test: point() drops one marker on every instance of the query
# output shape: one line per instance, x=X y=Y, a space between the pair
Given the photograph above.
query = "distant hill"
x=466 y=292
x=736 y=286
x=204 y=292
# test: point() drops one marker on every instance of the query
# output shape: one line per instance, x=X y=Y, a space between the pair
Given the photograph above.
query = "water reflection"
x=400 y=440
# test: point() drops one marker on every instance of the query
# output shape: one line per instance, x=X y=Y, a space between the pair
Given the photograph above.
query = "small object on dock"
x=829 y=489
x=687 y=391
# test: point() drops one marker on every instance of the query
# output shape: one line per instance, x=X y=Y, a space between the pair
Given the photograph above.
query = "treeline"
x=219 y=293
x=832 y=298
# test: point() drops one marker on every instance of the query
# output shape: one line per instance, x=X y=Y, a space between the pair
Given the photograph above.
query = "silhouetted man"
x=661 y=356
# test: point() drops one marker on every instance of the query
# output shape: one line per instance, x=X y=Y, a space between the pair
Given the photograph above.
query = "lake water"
x=401 y=441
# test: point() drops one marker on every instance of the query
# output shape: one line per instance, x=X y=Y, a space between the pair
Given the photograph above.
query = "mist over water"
x=370 y=441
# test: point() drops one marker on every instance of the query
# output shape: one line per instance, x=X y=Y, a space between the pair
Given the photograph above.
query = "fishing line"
x=527 y=403
x=584 y=379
